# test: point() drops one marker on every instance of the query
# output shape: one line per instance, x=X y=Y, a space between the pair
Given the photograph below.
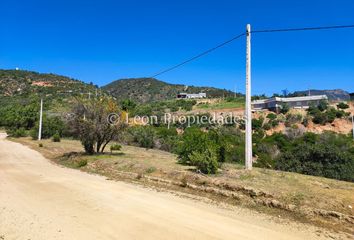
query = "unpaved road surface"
x=40 y=200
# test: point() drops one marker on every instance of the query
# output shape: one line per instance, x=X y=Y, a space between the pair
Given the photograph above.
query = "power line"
x=302 y=29
x=199 y=55
x=242 y=34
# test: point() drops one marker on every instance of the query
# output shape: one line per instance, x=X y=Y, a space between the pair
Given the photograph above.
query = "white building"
x=191 y=95
x=274 y=104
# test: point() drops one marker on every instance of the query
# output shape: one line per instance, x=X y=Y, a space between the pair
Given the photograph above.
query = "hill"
x=333 y=95
x=149 y=89
x=22 y=83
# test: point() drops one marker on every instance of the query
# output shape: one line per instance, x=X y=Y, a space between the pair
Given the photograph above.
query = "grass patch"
x=81 y=163
x=238 y=103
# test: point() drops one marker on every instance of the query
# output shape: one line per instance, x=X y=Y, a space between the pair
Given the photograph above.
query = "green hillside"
x=149 y=90
x=23 y=83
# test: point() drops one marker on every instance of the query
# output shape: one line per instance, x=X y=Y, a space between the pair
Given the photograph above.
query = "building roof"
x=291 y=99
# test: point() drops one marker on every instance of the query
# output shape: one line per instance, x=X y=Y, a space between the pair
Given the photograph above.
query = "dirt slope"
x=39 y=200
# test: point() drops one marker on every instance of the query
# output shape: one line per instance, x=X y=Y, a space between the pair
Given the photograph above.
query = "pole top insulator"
x=248 y=27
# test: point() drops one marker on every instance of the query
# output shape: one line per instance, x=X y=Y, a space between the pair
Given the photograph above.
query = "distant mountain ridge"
x=333 y=95
x=150 y=89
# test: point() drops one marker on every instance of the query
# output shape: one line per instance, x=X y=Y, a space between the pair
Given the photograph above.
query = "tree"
x=50 y=126
x=322 y=105
x=96 y=122
x=19 y=113
x=342 y=105
x=128 y=105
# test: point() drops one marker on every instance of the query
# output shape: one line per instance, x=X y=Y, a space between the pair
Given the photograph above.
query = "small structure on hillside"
x=191 y=95
x=275 y=103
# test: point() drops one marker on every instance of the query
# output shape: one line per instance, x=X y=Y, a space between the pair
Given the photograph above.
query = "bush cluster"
x=329 y=155
x=224 y=144
x=323 y=114
x=342 y=105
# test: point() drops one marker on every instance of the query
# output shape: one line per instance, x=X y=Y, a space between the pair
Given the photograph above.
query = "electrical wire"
x=243 y=34
x=198 y=56
x=302 y=29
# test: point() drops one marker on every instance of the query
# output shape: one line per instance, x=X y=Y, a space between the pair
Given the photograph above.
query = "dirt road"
x=39 y=200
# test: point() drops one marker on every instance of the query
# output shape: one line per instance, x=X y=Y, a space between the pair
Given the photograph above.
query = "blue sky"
x=101 y=41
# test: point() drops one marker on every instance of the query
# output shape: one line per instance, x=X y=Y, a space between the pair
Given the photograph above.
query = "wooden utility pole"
x=40 y=121
x=248 y=113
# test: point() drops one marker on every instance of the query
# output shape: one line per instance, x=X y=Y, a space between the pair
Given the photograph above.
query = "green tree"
x=92 y=123
x=322 y=105
x=342 y=105
x=128 y=105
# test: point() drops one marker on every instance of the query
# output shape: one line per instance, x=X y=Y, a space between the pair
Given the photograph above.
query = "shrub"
x=40 y=145
x=221 y=145
x=166 y=139
x=115 y=147
x=294 y=132
x=257 y=123
x=320 y=118
x=266 y=153
x=322 y=105
x=342 y=105
x=274 y=123
x=150 y=170
x=127 y=104
x=33 y=133
x=231 y=142
x=17 y=132
x=284 y=108
x=292 y=119
x=327 y=116
x=272 y=116
x=267 y=126
x=81 y=163
x=331 y=115
x=56 y=137
x=340 y=113
x=328 y=155
x=258 y=135
x=143 y=135
x=186 y=104
x=192 y=140
x=305 y=121
x=205 y=161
